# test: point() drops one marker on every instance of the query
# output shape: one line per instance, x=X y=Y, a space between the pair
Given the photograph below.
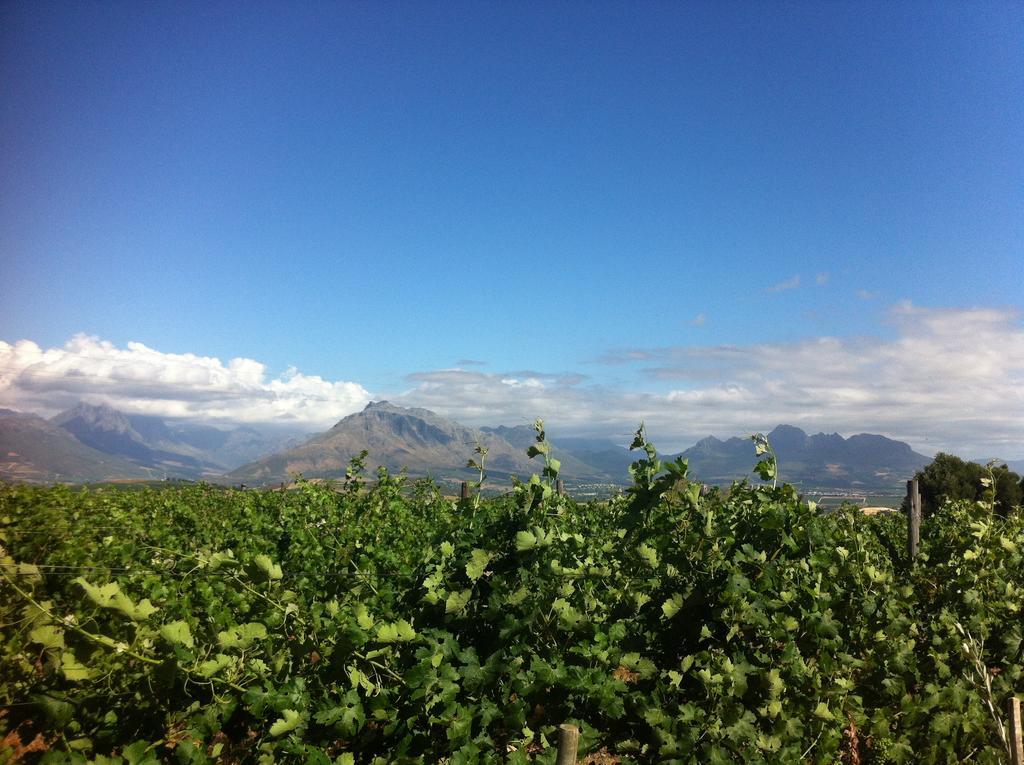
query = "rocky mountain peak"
x=94 y=417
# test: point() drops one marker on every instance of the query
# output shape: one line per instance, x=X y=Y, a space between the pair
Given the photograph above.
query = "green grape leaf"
x=397 y=632
x=648 y=554
x=140 y=753
x=822 y=712
x=242 y=636
x=110 y=596
x=363 y=617
x=103 y=595
x=72 y=668
x=211 y=667
x=48 y=636
x=138 y=613
x=268 y=567
x=518 y=596
x=672 y=606
x=567 y=615
x=30 y=572
x=525 y=541
x=477 y=564
x=456 y=602
x=405 y=631
x=219 y=559
x=177 y=632
x=538 y=448
x=289 y=721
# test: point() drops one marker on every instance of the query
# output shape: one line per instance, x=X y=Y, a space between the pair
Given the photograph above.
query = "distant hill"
x=145 y=441
x=239 y=445
x=827 y=460
x=34 y=450
x=428 y=444
x=607 y=457
x=578 y=464
x=177 y=449
x=395 y=437
x=90 y=443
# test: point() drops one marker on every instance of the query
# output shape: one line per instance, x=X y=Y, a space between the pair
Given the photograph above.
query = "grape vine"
x=372 y=622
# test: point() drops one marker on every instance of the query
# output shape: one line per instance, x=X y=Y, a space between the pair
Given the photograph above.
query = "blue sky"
x=596 y=197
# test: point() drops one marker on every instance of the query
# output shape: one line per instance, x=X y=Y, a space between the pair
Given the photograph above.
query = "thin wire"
x=84 y=530
x=128 y=537
x=134 y=535
x=72 y=568
x=329 y=575
x=54 y=570
x=72 y=701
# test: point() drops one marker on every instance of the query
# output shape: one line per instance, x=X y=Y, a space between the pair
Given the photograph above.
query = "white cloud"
x=513 y=398
x=822 y=278
x=950 y=379
x=140 y=380
x=699 y=320
x=789 y=284
x=865 y=295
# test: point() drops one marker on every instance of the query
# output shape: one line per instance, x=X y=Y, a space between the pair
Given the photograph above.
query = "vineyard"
x=378 y=621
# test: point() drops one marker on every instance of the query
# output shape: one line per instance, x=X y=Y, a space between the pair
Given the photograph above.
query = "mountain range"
x=97 y=443
x=428 y=444
x=825 y=460
x=34 y=450
x=422 y=442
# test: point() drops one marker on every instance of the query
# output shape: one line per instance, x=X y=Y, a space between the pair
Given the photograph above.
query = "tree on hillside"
x=949 y=478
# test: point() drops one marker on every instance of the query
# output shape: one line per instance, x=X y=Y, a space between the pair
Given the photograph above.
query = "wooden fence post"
x=913 y=519
x=568 y=742
x=1016 y=732
x=560 y=488
x=464 y=491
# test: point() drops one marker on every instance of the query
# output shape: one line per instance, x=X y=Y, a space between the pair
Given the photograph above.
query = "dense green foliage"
x=948 y=478
x=381 y=622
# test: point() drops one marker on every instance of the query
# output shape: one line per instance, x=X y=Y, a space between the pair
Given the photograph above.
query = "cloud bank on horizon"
x=140 y=380
x=942 y=379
